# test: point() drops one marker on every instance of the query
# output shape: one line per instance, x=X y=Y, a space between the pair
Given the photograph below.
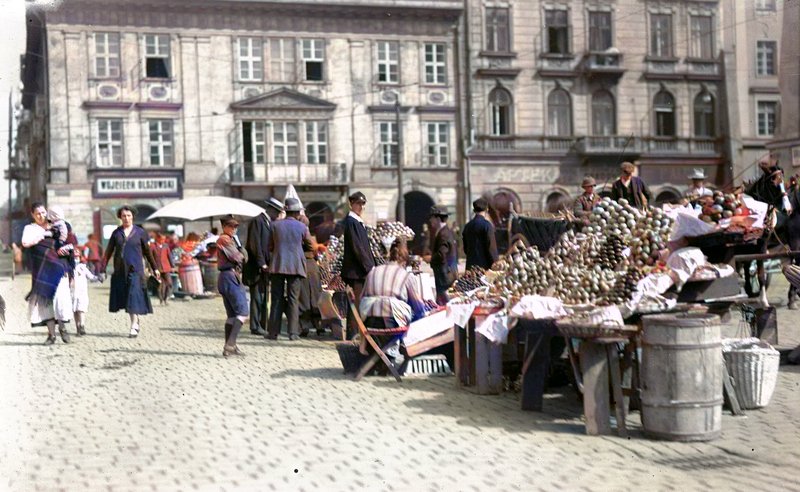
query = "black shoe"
x=51 y=339
x=293 y=337
x=271 y=337
x=81 y=330
x=64 y=335
x=260 y=332
x=304 y=334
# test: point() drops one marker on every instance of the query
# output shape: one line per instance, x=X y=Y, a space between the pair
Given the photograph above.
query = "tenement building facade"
x=151 y=101
x=562 y=89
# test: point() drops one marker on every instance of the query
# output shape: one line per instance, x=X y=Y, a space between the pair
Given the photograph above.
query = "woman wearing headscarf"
x=49 y=301
x=129 y=244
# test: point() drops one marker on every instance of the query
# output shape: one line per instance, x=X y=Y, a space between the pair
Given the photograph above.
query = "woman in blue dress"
x=129 y=246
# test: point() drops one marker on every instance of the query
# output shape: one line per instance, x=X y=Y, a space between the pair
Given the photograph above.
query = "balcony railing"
x=603 y=64
x=539 y=143
x=599 y=145
x=608 y=144
x=248 y=172
x=681 y=145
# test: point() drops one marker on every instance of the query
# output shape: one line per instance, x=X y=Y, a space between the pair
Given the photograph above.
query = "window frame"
x=158 y=55
x=597 y=31
x=285 y=144
x=697 y=117
x=316 y=147
x=775 y=105
x=437 y=65
x=658 y=122
x=107 y=55
x=698 y=37
x=565 y=30
x=766 y=6
x=313 y=58
x=285 y=46
x=385 y=63
x=770 y=53
x=389 y=147
x=254 y=59
x=594 y=104
x=500 y=115
x=437 y=150
x=109 y=142
x=554 y=125
x=498 y=34
x=653 y=42
x=161 y=144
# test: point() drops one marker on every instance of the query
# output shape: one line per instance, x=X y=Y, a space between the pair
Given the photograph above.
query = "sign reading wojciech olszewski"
x=142 y=185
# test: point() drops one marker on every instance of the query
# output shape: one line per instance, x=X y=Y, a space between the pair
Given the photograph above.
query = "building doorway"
x=418 y=205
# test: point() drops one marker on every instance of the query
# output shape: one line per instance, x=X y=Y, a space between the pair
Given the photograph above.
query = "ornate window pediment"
x=283 y=100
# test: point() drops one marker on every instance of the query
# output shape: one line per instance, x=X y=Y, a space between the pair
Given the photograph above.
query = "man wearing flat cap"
x=230 y=259
x=289 y=240
x=585 y=203
x=444 y=252
x=357 y=260
x=630 y=187
x=256 y=270
x=480 y=244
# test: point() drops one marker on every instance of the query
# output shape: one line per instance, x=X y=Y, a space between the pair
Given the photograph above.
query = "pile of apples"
x=721 y=206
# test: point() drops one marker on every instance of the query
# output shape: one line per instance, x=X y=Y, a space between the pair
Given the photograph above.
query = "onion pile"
x=379 y=252
x=395 y=229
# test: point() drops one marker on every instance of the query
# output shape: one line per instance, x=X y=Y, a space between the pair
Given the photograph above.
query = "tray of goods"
x=586 y=330
x=471 y=280
x=720 y=206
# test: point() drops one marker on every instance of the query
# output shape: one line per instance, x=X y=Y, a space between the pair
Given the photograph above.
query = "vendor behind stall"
x=480 y=245
x=698 y=188
x=585 y=203
x=444 y=253
x=630 y=187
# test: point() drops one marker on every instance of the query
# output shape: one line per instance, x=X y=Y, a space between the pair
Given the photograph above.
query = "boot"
x=81 y=330
x=64 y=335
x=236 y=326
x=51 y=335
x=228 y=327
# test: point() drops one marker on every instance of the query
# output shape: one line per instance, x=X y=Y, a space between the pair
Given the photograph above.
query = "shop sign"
x=140 y=185
x=796 y=156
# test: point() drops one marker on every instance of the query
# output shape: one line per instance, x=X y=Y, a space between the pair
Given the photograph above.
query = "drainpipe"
x=465 y=118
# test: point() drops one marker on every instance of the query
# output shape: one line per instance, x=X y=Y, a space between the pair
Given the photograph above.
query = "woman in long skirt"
x=129 y=246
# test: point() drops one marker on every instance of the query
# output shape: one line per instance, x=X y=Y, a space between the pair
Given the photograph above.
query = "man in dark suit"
x=480 y=245
x=255 y=273
x=290 y=238
x=630 y=187
x=357 y=260
x=444 y=253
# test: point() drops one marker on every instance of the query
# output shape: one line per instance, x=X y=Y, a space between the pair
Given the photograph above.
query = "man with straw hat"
x=585 y=203
x=698 y=188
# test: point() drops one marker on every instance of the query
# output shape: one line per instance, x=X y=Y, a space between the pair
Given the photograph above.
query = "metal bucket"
x=682 y=376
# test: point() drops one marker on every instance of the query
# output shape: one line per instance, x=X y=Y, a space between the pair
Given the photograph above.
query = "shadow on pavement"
x=318 y=372
x=160 y=352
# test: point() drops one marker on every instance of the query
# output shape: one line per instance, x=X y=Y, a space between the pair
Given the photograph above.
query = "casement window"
x=254 y=142
x=766 y=5
x=161 y=142
x=767 y=117
x=316 y=142
x=313 y=52
x=661 y=35
x=250 y=57
x=388 y=56
x=284 y=142
x=156 y=53
x=282 y=57
x=500 y=105
x=600 y=34
x=438 y=144
x=559 y=113
x=702 y=37
x=704 y=115
x=664 y=109
x=108 y=142
x=557 y=32
x=498 y=35
x=435 y=63
x=387 y=136
x=604 y=115
x=106 y=54
x=766 y=56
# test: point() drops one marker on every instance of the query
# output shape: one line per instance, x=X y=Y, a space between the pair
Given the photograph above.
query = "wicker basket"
x=755 y=372
x=578 y=330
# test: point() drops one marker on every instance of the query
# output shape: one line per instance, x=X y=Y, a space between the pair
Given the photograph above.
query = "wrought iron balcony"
x=603 y=64
x=523 y=144
x=271 y=173
x=608 y=144
x=682 y=145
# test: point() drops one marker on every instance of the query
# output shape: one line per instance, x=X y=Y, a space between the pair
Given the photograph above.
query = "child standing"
x=80 y=291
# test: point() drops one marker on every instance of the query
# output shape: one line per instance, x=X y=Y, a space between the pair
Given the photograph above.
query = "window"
x=664 y=107
x=704 y=115
x=284 y=142
x=108 y=149
x=766 y=54
x=559 y=113
x=388 y=62
x=600 y=31
x=316 y=142
x=156 y=52
x=497 y=30
x=387 y=131
x=435 y=63
x=767 y=114
x=106 y=54
x=702 y=37
x=438 y=144
x=160 y=142
x=500 y=110
x=313 y=59
x=253 y=146
x=604 y=117
x=766 y=5
x=557 y=31
x=251 y=62
x=661 y=35
x=281 y=60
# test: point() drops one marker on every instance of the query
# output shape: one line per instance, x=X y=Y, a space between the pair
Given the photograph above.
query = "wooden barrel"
x=191 y=279
x=209 y=272
x=682 y=376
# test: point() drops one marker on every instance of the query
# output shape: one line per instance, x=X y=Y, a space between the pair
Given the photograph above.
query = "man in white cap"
x=698 y=188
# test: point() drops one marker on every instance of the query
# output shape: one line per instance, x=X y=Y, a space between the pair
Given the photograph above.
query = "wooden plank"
x=460 y=356
x=488 y=366
x=594 y=365
x=730 y=389
x=534 y=370
x=616 y=386
x=423 y=346
x=471 y=352
x=495 y=367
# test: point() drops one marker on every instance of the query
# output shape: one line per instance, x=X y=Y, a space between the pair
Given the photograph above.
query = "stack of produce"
x=721 y=206
x=471 y=280
x=394 y=230
x=379 y=252
x=601 y=265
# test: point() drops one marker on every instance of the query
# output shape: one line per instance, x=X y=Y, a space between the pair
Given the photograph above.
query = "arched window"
x=705 y=124
x=559 y=114
x=664 y=108
x=500 y=105
x=604 y=115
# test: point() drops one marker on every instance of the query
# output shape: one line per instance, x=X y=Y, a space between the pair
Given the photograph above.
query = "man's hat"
x=627 y=166
x=698 y=174
x=357 y=197
x=293 y=205
x=480 y=205
x=274 y=203
x=438 y=211
x=588 y=181
x=229 y=221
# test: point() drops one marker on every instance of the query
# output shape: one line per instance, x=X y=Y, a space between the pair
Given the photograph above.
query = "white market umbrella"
x=292 y=193
x=205 y=207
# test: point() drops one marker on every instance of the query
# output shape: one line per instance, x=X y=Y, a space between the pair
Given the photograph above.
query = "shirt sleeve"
x=417 y=305
x=32 y=235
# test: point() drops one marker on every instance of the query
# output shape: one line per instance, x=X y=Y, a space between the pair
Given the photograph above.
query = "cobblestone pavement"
x=167 y=412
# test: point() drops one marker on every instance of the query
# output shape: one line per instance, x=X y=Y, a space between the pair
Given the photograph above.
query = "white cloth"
x=60 y=308
x=538 y=307
x=31 y=235
x=701 y=191
x=460 y=313
x=80 y=288
x=494 y=327
x=683 y=263
x=425 y=328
